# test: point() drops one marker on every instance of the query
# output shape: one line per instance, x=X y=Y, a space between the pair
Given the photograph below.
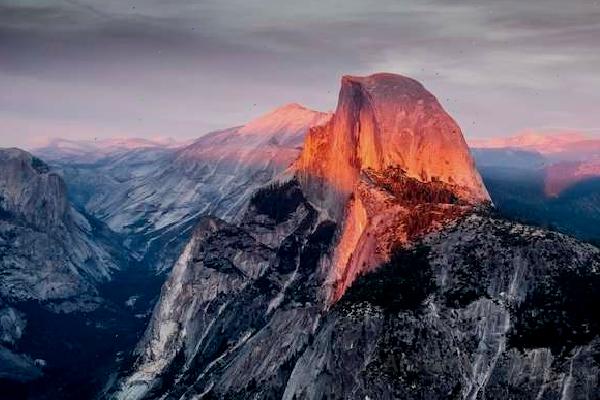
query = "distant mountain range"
x=556 y=146
x=550 y=180
x=90 y=151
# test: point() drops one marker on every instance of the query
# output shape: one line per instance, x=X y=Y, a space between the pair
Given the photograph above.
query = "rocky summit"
x=389 y=150
x=374 y=268
x=385 y=121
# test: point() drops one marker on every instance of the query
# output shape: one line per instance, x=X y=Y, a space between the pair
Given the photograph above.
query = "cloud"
x=183 y=68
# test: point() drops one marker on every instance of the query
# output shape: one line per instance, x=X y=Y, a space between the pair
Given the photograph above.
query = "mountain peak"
x=386 y=121
x=389 y=166
x=385 y=83
x=30 y=190
x=291 y=106
x=291 y=118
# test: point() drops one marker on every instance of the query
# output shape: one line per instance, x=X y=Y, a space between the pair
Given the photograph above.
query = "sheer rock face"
x=47 y=249
x=382 y=121
x=384 y=126
x=30 y=190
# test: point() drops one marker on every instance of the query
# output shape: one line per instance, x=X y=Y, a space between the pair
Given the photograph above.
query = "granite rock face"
x=485 y=328
x=467 y=312
x=48 y=251
x=240 y=304
x=382 y=121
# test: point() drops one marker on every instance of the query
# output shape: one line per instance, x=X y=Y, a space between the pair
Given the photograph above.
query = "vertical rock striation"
x=382 y=121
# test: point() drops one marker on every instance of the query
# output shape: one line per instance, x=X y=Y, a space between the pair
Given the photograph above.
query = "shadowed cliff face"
x=387 y=130
x=53 y=264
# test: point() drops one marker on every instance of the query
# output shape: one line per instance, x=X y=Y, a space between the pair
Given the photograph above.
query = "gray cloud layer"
x=84 y=68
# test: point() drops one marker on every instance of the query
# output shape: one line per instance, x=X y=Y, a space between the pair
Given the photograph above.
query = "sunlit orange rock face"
x=381 y=121
x=390 y=165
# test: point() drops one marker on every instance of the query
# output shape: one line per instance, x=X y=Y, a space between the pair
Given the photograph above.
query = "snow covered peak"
x=60 y=149
x=286 y=122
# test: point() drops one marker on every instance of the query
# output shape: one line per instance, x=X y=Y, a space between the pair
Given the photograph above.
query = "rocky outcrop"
x=385 y=121
x=47 y=249
x=388 y=137
x=484 y=309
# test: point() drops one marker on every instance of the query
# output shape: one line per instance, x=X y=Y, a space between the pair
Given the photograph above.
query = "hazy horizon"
x=85 y=70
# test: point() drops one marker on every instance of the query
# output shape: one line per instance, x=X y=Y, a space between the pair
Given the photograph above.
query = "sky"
x=131 y=68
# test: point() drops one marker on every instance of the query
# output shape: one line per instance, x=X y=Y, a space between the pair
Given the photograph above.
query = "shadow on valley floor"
x=83 y=350
x=519 y=194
